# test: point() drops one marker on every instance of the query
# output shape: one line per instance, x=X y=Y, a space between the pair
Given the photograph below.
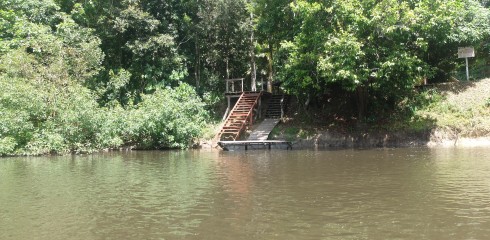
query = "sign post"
x=466 y=52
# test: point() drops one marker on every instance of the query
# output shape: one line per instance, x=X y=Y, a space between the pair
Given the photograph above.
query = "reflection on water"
x=341 y=194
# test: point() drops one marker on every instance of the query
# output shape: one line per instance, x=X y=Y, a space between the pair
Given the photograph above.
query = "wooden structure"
x=226 y=145
x=262 y=132
x=241 y=116
x=231 y=85
x=234 y=90
x=276 y=106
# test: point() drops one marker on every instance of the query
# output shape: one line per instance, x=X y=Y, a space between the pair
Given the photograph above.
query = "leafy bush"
x=38 y=119
x=168 y=118
x=71 y=121
x=7 y=146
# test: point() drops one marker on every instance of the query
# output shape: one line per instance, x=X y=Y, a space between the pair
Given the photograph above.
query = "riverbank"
x=453 y=114
x=433 y=139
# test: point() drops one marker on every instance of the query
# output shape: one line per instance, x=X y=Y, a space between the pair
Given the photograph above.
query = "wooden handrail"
x=248 y=115
x=232 y=82
x=236 y=104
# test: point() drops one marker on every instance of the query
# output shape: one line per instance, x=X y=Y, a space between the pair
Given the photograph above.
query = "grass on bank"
x=462 y=107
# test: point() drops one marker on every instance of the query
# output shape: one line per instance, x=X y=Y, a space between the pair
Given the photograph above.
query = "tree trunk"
x=197 y=70
x=227 y=69
x=362 y=96
x=307 y=102
x=271 y=73
x=253 y=70
x=227 y=53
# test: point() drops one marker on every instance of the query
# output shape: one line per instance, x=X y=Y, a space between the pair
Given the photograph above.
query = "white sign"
x=466 y=52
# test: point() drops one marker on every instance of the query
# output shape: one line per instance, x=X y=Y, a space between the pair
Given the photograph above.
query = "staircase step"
x=229 y=131
x=239 y=116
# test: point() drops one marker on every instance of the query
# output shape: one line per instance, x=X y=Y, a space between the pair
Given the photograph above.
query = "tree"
x=275 y=23
x=52 y=71
x=217 y=32
x=43 y=67
x=378 y=48
x=140 y=49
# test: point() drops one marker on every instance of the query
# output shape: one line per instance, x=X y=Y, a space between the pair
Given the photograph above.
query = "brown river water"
x=301 y=194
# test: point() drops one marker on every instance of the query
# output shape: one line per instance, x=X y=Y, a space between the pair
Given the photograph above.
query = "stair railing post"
x=228 y=109
x=260 y=107
x=251 y=122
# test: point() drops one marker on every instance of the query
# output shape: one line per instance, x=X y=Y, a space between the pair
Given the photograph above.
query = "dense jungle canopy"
x=80 y=75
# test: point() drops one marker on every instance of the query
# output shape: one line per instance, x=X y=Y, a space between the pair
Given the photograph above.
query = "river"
x=301 y=194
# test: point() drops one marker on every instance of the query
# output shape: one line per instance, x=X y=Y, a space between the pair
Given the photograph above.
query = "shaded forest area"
x=80 y=76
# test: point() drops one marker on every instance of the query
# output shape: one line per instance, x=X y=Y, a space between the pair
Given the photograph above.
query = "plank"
x=264 y=129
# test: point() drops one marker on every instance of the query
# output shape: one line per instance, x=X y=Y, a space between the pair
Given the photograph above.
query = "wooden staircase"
x=276 y=106
x=240 y=116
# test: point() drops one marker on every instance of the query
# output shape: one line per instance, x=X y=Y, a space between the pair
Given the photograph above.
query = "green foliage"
x=40 y=122
x=215 y=39
x=37 y=11
x=72 y=121
x=385 y=47
x=215 y=102
x=134 y=41
x=46 y=106
x=7 y=146
x=78 y=76
x=291 y=133
x=462 y=107
x=168 y=118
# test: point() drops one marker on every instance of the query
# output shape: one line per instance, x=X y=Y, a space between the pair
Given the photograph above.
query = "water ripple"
x=342 y=194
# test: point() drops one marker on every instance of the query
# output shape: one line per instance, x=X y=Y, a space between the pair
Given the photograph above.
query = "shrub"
x=36 y=121
x=168 y=118
x=7 y=146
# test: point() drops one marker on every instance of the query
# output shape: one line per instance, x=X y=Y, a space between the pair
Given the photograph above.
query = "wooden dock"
x=225 y=145
x=240 y=117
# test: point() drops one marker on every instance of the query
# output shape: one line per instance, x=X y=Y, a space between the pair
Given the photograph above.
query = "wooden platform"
x=225 y=145
x=264 y=129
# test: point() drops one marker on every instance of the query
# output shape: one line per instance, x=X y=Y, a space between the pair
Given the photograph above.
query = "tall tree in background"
x=140 y=49
x=253 y=44
x=378 y=49
x=154 y=42
x=222 y=34
x=275 y=23
x=366 y=46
